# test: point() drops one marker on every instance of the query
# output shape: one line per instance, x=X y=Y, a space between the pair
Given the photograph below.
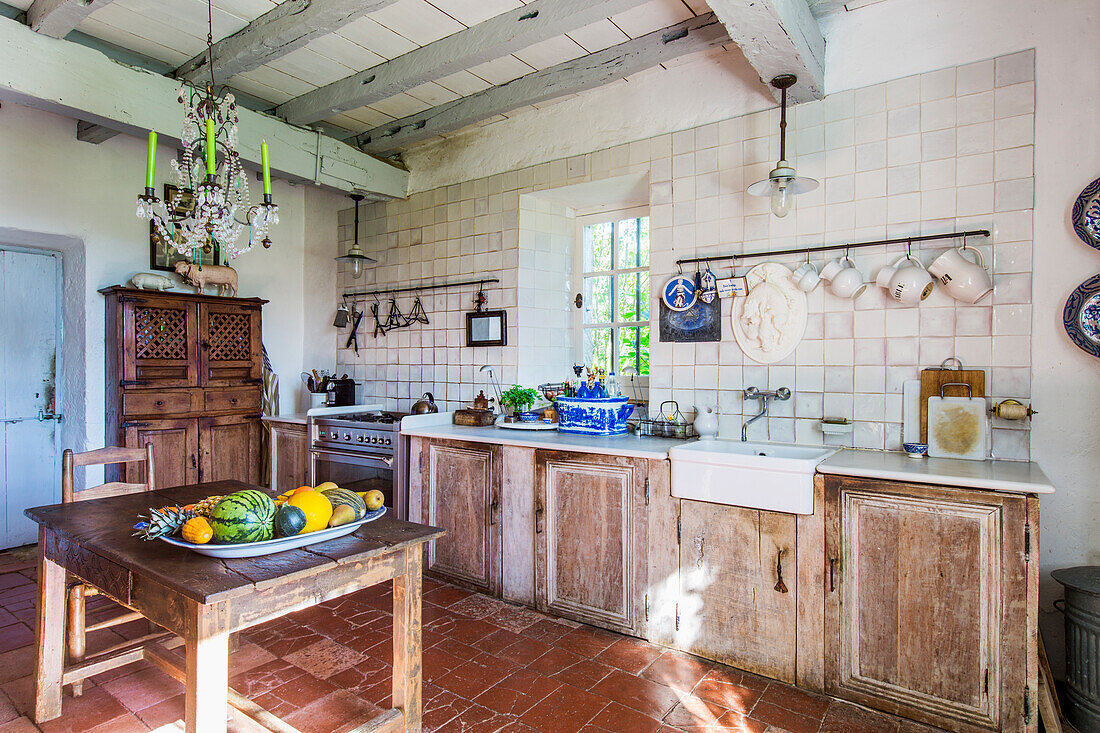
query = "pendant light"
x=355 y=255
x=783 y=182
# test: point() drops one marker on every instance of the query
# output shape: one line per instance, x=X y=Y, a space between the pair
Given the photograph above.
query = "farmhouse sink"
x=777 y=477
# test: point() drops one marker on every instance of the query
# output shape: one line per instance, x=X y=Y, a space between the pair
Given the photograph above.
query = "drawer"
x=156 y=403
x=242 y=400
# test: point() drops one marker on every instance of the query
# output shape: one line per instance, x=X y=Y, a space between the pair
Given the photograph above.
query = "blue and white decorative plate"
x=1086 y=215
x=1081 y=316
x=679 y=293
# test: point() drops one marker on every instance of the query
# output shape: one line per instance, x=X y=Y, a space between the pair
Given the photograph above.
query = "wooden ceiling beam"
x=90 y=132
x=79 y=82
x=55 y=18
x=286 y=27
x=491 y=39
x=778 y=37
x=570 y=77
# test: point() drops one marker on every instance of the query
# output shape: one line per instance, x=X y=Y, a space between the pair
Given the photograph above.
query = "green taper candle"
x=151 y=160
x=211 y=151
x=266 y=167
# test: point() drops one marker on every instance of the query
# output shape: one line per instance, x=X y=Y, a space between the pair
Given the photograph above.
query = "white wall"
x=54 y=184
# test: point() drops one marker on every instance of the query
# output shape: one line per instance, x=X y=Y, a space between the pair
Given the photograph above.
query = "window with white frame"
x=613 y=272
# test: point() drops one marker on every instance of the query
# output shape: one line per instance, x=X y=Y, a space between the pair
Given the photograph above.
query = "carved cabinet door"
x=229 y=344
x=590 y=537
x=460 y=485
x=160 y=337
x=926 y=603
x=229 y=447
x=738 y=591
x=175 y=450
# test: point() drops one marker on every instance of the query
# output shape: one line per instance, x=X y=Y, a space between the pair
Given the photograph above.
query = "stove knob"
x=387 y=441
x=347 y=436
x=374 y=439
x=360 y=438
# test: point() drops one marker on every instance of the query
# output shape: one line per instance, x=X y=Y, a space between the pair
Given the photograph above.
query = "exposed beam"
x=286 y=27
x=90 y=132
x=778 y=37
x=73 y=80
x=499 y=36
x=587 y=72
x=57 y=17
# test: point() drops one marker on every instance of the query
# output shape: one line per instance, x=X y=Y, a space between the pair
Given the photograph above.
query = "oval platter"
x=267 y=547
x=1081 y=316
x=1086 y=215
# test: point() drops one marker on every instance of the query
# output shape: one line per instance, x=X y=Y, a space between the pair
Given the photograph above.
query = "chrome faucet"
x=753 y=393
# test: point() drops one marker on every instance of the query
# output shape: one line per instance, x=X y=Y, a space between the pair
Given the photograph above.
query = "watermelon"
x=347 y=497
x=289 y=521
x=244 y=516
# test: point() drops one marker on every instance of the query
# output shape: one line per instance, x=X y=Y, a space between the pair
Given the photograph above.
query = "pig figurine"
x=224 y=279
x=152 y=281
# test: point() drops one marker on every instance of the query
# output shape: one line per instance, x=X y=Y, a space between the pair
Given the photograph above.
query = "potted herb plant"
x=518 y=399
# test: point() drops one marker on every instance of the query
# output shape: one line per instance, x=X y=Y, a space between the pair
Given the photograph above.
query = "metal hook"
x=909 y=249
x=964 y=242
x=680 y=268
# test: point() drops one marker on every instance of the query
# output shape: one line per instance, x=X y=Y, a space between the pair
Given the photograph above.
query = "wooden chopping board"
x=932 y=380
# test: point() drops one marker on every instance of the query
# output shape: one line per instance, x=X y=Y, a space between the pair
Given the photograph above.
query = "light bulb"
x=356 y=268
x=781 y=200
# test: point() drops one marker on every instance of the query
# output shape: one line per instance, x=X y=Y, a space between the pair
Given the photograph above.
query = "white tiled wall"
x=546 y=233
x=943 y=151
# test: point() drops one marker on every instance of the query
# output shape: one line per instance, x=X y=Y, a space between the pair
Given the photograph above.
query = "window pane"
x=634 y=349
x=597 y=299
x=632 y=292
x=633 y=245
x=597 y=348
x=597 y=247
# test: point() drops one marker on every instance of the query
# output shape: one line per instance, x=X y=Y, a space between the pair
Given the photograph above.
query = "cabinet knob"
x=538 y=519
x=832 y=566
x=159 y=403
x=232 y=400
x=780 y=586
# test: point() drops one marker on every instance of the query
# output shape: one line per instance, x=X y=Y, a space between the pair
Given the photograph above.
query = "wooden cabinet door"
x=460 y=485
x=737 y=601
x=229 y=448
x=927 y=603
x=289 y=456
x=590 y=530
x=159 y=340
x=230 y=349
x=175 y=450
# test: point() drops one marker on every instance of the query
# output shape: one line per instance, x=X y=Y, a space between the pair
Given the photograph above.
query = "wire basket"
x=670 y=423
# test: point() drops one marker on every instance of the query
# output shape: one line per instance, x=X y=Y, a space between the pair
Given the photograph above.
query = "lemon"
x=316 y=507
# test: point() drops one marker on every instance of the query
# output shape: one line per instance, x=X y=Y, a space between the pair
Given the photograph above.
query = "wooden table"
x=202 y=600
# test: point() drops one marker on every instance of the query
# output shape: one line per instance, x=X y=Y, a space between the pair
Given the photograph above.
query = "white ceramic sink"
x=777 y=477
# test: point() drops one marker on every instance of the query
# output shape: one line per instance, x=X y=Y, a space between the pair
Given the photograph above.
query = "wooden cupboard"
x=288 y=456
x=590 y=538
x=931 y=602
x=459 y=490
x=184 y=373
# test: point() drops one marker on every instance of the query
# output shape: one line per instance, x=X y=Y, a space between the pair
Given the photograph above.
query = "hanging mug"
x=907 y=284
x=845 y=281
x=964 y=280
x=806 y=277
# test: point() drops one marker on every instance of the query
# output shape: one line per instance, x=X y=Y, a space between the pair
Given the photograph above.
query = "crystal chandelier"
x=210 y=204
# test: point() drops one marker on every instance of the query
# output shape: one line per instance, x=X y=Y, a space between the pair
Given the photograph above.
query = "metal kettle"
x=425 y=405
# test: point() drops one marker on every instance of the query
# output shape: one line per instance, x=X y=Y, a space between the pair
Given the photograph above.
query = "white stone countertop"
x=1013 y=476
x=298 y=418
x=439 y=426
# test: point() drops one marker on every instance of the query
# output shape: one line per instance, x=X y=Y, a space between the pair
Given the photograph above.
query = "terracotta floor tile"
x=264 y=678
x=460 y=650
x=565 y=711
x=629 y=655
x=248 y=656
x=19 y=725
x=677 y=670
x=7 y=709
x=515 y=618
x=796 y=700
x=555 y=661
x=638 y=694
x=584 y=674
x=14 y=636
x=446 y=595
x=730 y=689
x=363 y=676
x=325 y=658
x=617 y=718
x=303 y=690
x=524 y=651
x=16 y=663
x=517 y=693
x=437 y=662
x=844 y=718
x=587 y=642
x=441 y=706
x=477 y=719
x=93 y=708
x=338 y=711
x=163 y=713
x=125 y=724
x=783 y=718
x=546 y=631
x=21 y=692
x=477 y=606
x=466 y=630
x=142 y=689
x=497 y=641
x=475 y=676
x=739 y=723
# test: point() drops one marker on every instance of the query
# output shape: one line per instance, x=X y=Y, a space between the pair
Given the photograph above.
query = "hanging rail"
x=832 y=247
x=416 y=288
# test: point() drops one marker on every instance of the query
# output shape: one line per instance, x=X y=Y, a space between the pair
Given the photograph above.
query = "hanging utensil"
x=353 y=339
x=341 y=319
x=417 y=314
x=396 y=318
x=708 y=286
x=379 y=329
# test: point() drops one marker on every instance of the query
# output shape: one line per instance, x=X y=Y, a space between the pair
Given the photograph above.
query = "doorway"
x=30 y=412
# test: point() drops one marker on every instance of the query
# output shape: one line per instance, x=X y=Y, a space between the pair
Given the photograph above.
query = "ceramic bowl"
x=916 y=450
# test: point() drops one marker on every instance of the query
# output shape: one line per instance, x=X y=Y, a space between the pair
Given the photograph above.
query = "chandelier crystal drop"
x=210 y=205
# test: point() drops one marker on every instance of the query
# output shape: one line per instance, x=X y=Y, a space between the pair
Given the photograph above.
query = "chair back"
x=102 y=457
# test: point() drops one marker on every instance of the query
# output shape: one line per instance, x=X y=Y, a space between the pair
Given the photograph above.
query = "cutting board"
x=933 y=380
x=958 y=427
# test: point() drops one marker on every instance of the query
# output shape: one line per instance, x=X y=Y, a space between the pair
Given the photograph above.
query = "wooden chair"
x=78 y=591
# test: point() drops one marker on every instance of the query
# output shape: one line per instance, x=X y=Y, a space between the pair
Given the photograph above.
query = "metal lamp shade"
x=795 y=184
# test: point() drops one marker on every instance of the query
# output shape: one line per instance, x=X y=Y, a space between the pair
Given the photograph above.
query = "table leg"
x=206 y=691
x=407 y=645
x=49 y=635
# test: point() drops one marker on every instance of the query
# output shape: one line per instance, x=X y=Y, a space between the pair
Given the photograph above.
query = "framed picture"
x=487 y=328
x=164 y=255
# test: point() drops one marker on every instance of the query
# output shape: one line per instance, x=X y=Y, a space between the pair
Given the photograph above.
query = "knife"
x=353 y=338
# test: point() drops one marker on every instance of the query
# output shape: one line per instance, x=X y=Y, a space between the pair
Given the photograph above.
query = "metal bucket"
x=1082 y=611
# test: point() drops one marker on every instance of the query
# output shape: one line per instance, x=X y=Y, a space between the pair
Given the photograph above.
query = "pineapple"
x=204 y=507
x=160 y=522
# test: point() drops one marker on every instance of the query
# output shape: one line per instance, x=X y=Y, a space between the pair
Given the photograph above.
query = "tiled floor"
x=488 y=666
